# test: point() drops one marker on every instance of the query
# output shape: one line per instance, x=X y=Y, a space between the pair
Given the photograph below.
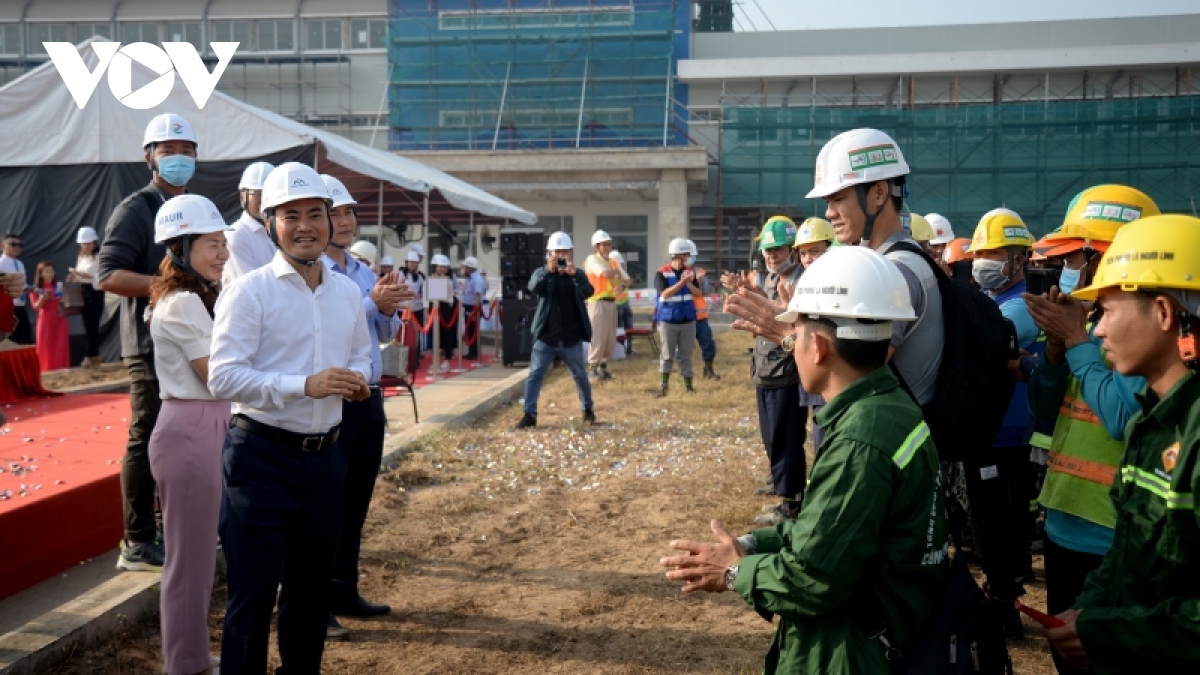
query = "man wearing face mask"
x=129 y=259
x=250 y=247
x=1075 y=388
x=999 y=477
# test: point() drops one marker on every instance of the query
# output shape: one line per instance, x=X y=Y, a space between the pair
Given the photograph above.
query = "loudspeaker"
x=517 y=329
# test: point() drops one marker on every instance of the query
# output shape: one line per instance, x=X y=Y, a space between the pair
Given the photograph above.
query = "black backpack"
x=974 y=384
x=965 y=635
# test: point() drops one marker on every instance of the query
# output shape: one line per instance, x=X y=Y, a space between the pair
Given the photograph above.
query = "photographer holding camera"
x=560 y=326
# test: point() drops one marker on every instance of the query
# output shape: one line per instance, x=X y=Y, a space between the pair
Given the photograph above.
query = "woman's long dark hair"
x=172 y=277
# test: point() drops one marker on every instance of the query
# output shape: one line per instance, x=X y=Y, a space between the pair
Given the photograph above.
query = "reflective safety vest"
x=701 y=307
x=1083 y=462
x=678 y=308
x=602 y=288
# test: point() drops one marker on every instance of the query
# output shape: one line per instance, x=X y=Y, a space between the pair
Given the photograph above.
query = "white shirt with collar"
x=271 y=332
x=250 y=247
x=14 y=266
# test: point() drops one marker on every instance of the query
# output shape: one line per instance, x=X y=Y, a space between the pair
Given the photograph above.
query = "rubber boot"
x=687 y=385
x=604 y=374
x=662 y=387
x=709 y=373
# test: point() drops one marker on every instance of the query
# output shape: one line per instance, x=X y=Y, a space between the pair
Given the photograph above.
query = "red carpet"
x=422 y=377
x=21 y=376
x=66 y=452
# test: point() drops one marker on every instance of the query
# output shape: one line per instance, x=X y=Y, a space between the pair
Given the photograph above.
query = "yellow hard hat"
x=1157 y=252
x=1094 y=217
x=919 y=227
x=1000 y=228
x=813 y=230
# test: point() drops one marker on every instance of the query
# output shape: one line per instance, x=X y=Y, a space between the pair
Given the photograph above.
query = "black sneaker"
x=146 y=557
x=589 y=418
x=604 y=374
x=527 y=422
x=335 y=630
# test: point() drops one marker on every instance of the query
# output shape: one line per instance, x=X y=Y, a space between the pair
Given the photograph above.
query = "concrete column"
x=672 y=213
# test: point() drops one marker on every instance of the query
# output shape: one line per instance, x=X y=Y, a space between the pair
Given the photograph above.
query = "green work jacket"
x=867 y=551
x=1140 y=611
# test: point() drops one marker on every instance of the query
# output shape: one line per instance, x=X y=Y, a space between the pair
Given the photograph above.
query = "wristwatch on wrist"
x=731 y=573
x=789 y=343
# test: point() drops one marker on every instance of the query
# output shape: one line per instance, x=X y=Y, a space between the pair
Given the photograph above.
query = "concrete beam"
x=1039 y=60
x=582 y=160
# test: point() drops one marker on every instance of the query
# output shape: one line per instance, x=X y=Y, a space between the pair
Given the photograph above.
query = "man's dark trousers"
x=281 y=510
x=998 y=482
x=137 y=483
x=23 y=332
x=782 y=422
x=363 y=425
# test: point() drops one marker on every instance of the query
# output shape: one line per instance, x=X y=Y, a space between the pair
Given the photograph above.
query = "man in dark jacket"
x=560 y=326
x=129 y=260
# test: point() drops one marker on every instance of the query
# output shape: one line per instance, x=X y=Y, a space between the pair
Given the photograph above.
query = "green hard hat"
x=777 y=231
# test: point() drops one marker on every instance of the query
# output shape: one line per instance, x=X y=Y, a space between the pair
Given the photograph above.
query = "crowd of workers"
x=257 y=418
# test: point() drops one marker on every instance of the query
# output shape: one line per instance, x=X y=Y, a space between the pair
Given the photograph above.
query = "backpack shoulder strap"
x=913 y=248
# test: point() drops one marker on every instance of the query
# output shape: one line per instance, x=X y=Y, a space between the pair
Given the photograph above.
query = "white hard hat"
x=942 y=232
x=412 y=256
x=616 y=255
x=291 y=181
x=692 y=247
x=440 y=259
x=471 y=262
x=600 y=237
x=854 y=157
x=86 y=235
x=187 y=214
x=337 y=191
x=850 y=283
x=419 y=249
x=679 y=246
x=365 y=250
x=387 y=260
x=254 y=176
x=168 y=127
x=559 y=241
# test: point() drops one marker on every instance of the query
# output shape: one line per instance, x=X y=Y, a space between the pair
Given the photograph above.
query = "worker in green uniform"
x=1140 y=611
x=855 y=576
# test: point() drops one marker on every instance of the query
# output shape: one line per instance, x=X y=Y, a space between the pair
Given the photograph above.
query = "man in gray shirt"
x=129 y=261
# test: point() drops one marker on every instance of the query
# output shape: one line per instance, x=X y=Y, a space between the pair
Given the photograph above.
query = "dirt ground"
x=77 y=377
x=536 y=551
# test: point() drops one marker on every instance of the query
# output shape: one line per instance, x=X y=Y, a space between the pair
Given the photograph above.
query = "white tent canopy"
x=43 y=126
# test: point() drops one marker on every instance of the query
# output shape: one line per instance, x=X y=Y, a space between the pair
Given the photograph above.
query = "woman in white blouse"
x=415 y=279
x=87 y=272
x=185 y=448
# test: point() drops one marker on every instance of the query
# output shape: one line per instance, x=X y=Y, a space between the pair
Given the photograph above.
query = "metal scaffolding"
x=534 y=74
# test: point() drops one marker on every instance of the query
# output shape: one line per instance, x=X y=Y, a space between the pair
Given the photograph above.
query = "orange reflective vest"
x=602 y=288
x=701 y=307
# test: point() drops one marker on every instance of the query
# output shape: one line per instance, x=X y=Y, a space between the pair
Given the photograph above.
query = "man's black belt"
x=303 y=442
x=605 y=299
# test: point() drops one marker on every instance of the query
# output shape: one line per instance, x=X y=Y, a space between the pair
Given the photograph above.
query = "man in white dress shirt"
x=10 y=263
x=290 y=342
x=250 y=245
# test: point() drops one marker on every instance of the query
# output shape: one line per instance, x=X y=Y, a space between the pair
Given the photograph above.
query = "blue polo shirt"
x=382 y=327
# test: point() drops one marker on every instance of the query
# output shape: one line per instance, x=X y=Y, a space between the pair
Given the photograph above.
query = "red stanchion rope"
x=489 y=315
x=445 y=324
x=468 y=341
x=409 y=317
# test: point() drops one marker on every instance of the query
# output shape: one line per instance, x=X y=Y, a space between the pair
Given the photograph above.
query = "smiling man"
x=290 y=343
x=1140 y=611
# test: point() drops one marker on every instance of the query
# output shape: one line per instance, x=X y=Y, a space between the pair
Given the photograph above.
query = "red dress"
x=53 y=333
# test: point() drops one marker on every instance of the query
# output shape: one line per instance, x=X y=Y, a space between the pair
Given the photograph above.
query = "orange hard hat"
x=956 y=250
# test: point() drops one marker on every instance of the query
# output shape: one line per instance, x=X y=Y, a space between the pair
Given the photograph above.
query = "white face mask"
x=989 y=274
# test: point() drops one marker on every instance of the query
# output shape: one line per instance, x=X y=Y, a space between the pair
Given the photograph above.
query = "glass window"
x=139 y=32
x=46 y=32
x=368 y=33
x=232 y=31
x=84 y=31
x=276 y=36
x=630 y=237
x=10 y=38
x=184 y=32
x=323 y=34
x=558 y=224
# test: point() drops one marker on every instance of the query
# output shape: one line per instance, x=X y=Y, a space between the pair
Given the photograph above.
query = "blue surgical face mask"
x=989 y=274
x=177 y=169
x=691 y=261
x=1069 y=279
